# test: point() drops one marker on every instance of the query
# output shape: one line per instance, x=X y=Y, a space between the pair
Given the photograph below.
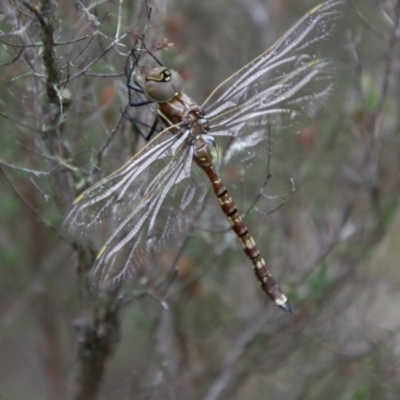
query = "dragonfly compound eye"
x=162 y=84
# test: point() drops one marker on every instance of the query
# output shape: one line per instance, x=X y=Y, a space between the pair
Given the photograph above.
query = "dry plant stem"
x=111 y=137
x=50 y=62
x=238 y=369
x=53 y=107
x=98 y=331
x=226 y=374
x=389 y=60
x=26 y=202
x=372 y=131
x=99 y=325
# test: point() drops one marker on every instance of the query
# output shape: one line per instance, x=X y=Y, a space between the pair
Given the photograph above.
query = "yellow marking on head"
x=78 y=199
x=155 y=78
x=101 y=252
x=315 y=9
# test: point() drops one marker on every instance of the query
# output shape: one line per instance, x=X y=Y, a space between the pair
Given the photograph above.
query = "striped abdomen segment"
x=262 y=272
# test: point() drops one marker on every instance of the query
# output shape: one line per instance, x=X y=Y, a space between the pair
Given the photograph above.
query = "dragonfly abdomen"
x=263 y=274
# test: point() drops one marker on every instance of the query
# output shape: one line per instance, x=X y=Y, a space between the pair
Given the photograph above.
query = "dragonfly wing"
x=164 y=217
x=144 y=208
x=116 y=195
x=278 y=92
x=286 y=106
x=281 y=89
x=304 y=43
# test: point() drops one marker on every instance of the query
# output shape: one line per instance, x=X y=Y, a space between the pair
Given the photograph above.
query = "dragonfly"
x=155 y=199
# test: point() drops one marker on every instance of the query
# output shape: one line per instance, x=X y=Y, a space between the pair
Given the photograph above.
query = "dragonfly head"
x=162 y=84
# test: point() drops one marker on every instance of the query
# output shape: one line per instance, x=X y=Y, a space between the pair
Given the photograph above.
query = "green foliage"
x=371 y=90
x=9 y=206
x=362 y=392
x=5 y=57
x=318 y=281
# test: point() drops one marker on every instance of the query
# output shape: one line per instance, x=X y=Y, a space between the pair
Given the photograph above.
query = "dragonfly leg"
x=137 y=89
x=135 y=123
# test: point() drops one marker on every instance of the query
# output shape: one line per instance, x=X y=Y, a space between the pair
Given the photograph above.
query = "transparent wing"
x=143 y=208
x=283 y=87
x=279 y=91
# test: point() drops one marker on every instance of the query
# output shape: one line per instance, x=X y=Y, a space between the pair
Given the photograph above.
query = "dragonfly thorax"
x=163 y=86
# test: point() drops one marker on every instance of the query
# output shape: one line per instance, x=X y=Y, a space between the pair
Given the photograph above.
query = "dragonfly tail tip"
x=287 y=308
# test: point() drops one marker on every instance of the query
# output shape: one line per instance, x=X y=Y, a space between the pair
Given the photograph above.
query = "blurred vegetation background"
x=334 y=244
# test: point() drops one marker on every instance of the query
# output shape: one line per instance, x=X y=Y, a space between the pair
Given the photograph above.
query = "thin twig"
x=238 y=350
x=28 y=205
x=28 y=171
